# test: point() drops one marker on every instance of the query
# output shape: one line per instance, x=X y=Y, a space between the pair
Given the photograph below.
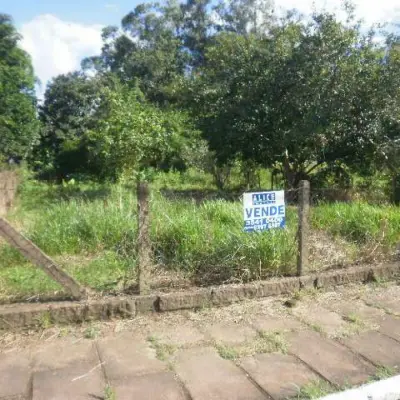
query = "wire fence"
x=317 y=195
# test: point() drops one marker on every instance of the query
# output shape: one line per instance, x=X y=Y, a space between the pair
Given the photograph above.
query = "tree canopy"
x=18 y=122
x=132 y=136
x=306 y=95
x=299 y=95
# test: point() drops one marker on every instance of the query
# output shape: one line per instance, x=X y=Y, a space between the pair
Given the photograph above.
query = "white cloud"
x=58 y=46
x=371 y=11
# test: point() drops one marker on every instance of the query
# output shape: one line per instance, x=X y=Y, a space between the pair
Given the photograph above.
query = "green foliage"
x=359 y=222
x=306 y=94
x=80 y=226
x=157 y=44
x=383 y=372
x=90 y=230
x=109 y=393
x=132 y=135
x=227 y=352
x=315 y=390
x=208 y=241
x=68 y=112
x=24 y=279
x=163 y=350
x=91 y=332
x=18 y=123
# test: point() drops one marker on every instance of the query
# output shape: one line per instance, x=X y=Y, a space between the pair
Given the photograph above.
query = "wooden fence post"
x=304 y=211
x=143 y=239
x=40 y=259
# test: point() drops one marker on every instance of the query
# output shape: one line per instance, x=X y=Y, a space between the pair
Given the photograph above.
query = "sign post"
x=264 y=210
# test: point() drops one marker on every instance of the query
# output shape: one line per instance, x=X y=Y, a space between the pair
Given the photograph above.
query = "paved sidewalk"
x=249 y=351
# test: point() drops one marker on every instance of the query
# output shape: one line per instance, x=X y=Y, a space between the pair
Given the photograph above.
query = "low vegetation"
x=90 y=229
x=315 y=390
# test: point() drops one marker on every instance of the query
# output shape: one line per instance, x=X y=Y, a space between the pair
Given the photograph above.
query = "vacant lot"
x=90 y=230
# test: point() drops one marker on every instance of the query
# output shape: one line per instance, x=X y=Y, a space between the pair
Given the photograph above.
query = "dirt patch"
x=327 y=252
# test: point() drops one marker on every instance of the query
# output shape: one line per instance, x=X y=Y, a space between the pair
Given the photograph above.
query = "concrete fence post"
x=144 y=251
x=303 y=232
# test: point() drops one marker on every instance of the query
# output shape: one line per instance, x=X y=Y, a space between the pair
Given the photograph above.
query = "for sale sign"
x=264 y=210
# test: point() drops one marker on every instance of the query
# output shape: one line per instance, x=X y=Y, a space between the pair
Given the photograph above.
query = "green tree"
x=132 y=137
x=305 y=96
x=156 y=45
x=245 y=16
x=18 y=122
x=67 y=113
x=146 y=51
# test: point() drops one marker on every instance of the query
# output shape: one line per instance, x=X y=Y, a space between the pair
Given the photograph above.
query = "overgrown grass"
x=90 y=229
x=209 y=239
x=359 y=222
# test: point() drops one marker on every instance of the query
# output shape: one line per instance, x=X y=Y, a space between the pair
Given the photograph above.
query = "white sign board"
x=263 y=210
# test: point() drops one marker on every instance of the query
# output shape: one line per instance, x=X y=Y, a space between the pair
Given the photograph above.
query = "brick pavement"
x=252 y=350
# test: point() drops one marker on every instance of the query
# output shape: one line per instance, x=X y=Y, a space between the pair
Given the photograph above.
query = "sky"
x=58 y=34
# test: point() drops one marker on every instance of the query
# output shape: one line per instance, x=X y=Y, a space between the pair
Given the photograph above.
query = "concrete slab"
x=77 y=382
x=379 y=349
x=230 y=333
x=159 y=386
x=67 y=371
x=357 y=308
x=207 y=376
x=279 y=375
x=333 y=361
x=178 y=335
x=273 y=323
x=60 y=355
x=387 y=298
x=127 y=355
x=390 y=326
x=15 y=374
x=330 y=322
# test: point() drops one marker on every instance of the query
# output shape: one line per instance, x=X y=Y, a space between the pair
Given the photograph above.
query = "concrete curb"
x=13 y=316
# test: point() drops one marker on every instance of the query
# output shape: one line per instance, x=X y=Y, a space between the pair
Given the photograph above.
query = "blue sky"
x=58 y=34
x=83 y=11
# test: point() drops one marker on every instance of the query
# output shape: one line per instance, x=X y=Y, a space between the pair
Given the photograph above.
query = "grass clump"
x=315 y=390
x=104 y=272
x=109 y=393
x=24 y=280
x=270 y=342
x=359 y=222
x=227 y=352
x=80 y=226
x=163 y=350
x=354 y=319
x=91 y=332
x=45 y=321
x=384 y=372
x=265 y=342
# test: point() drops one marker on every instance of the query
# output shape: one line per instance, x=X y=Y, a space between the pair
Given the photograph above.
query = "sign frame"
x=264 y=210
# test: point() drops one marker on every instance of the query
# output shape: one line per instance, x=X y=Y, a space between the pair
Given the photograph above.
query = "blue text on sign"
x=259 y=212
